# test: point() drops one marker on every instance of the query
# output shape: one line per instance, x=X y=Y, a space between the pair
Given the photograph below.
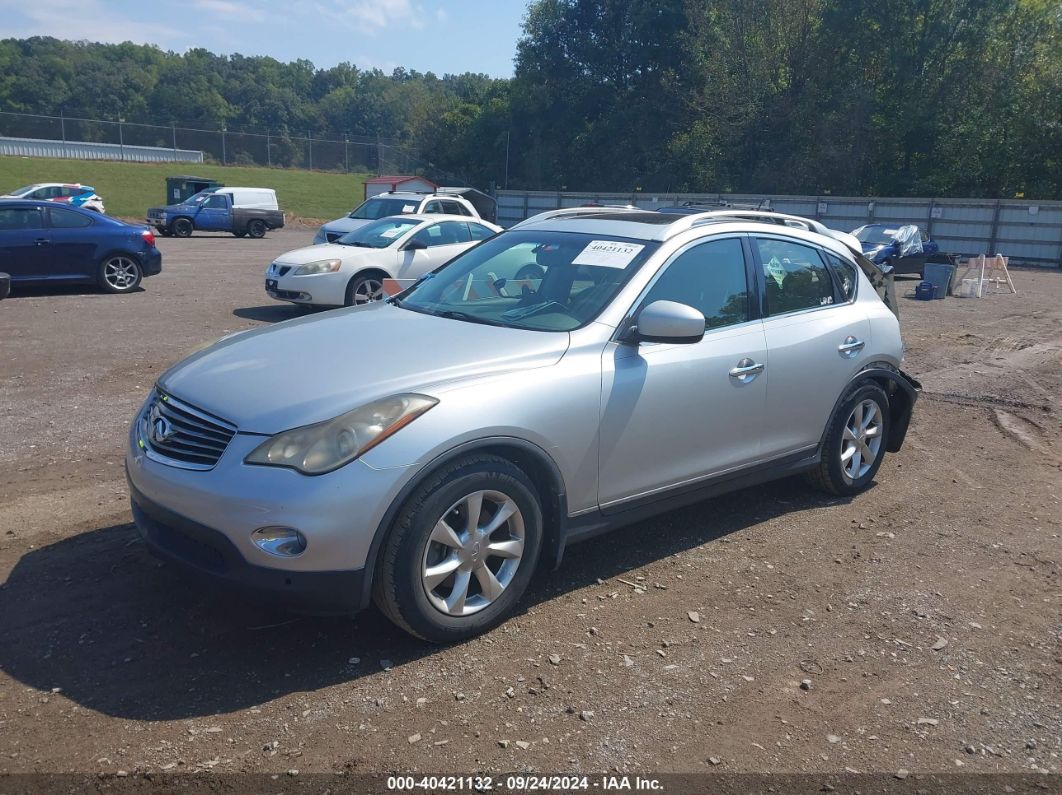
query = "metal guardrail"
x=87 y=150
x=1028 y=232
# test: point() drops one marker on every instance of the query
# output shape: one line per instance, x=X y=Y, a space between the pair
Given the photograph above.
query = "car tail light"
x=149 y=237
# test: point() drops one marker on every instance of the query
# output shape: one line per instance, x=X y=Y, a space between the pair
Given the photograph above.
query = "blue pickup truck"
x=245 y=212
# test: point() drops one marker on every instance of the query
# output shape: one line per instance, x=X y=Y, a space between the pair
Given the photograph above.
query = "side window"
x=453 y=208
x=709 y=277
x=480 y=232
x=454 y=232
x=846 y=275
x=795 y=275
x=433 y=207
x=216 y=202
x=13 y=219
x=51 y=192
x=67 y=219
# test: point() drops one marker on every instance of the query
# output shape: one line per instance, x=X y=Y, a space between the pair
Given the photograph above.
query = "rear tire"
x=855 y=442
x=120 y=273
x=256 y=228
x=450 y=568
x=181 y=227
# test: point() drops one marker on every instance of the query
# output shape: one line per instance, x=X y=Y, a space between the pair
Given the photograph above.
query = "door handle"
x=851 y=346
x=746 y=369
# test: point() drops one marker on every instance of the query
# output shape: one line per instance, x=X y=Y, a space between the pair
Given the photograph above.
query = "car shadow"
x=119 y=632
x=44 y=290
x=272 y=313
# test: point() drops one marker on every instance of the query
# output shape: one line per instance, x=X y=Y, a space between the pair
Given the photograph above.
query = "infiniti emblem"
x=161 y=428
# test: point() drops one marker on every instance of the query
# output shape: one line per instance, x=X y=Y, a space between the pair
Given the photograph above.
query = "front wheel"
x=462 y=550
x=256 y=228
x=120 y=274
x=855 y=442
x=239 y=234
x=365 y=290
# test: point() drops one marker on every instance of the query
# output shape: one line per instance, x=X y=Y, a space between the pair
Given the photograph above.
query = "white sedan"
x=353 y=269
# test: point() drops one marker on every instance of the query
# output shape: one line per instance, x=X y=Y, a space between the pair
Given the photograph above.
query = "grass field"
x=128 y=189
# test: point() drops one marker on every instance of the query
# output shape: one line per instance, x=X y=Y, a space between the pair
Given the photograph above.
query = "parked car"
x=73 y=193
x=45 y=242
x=352 y=270
x=241 y=211
x=906 y=248
x=394 y=203
x=431 y=451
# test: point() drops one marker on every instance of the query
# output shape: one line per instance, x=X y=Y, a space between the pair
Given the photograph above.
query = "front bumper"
x=210 y=554
x=325 y=289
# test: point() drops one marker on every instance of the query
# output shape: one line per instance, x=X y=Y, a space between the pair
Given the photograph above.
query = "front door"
x=444 y=241
x=815 y=343
x=24 y=243
x=213 y=216
x=675 y=414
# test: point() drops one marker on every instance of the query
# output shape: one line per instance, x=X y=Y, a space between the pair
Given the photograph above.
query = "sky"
x=441 y=36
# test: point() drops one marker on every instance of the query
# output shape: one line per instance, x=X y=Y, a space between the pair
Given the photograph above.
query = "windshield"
x=544 y=281
x=377 y=208
x=378 y=235
x=199 y=198
x=878 y=235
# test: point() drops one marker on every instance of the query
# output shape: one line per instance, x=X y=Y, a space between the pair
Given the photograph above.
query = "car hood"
x=301 y=256
x=345 y=225
x=315 y=368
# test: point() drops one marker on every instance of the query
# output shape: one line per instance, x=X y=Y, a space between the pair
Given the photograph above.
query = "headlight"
x=321 y=266
x=320 y=448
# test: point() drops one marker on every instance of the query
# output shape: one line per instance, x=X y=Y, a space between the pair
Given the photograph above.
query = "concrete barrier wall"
x=86 y=150
x=1029 y=232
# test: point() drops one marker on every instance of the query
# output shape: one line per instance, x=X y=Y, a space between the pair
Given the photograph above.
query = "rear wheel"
x=462 y=551
x=181 y=227
x=256 y=228
x=120 y=273
x=855 y=442
x=365 y=289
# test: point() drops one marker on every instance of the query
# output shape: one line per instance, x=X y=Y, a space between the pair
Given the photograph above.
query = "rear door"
x=24 y=243
x=816 y=338
x=73 y=245
x=675 y=414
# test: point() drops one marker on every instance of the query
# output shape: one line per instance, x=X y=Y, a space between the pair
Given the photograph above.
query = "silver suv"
x=394 y=203
x=646 y=362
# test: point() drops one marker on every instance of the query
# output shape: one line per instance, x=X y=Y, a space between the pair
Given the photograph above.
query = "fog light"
x=284 y=542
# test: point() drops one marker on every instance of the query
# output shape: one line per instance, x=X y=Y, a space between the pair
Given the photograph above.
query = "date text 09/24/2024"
x=523 y=783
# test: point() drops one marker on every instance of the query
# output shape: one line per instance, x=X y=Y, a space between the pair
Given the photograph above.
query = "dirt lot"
x=926 y=613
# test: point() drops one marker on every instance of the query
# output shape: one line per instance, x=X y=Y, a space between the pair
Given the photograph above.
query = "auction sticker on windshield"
x=393 y=232
x=608 y=254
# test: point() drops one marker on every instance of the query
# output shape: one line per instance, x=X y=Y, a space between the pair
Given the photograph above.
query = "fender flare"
x=903 y=391
x=547 y=476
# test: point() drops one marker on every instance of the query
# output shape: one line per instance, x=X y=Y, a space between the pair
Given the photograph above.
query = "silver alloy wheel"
x=120 y=273
x=861 y=440
x=369 y=290
x=473 y=553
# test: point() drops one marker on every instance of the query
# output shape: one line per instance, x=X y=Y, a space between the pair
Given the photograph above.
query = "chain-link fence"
x=281 y=149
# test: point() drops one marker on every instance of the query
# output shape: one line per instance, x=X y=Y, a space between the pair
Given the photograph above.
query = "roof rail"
x=784 y=219
x=550 y=214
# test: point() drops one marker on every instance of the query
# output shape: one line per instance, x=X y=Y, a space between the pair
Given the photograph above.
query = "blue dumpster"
x=939 y=275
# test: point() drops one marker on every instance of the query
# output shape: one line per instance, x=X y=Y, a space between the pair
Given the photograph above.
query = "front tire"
x=181 y=227
x=855 y=442
x=256 y=228
x=239 y=234
x=462 y=550
x=120 y=273
x=364 y=289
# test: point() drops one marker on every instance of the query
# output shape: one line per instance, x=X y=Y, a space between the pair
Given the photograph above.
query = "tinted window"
x=433 y=207
x=846 y=275
x=795 y=275
x=67 y=219
x=216 y=202
x=709 y=277
x=15 y=218
x=480 y=232
x=378 y=208
x=453 y=208
x=444 y=234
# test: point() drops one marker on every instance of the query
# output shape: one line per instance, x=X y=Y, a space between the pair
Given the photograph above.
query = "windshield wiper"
x=454 y=315
x=354 y=243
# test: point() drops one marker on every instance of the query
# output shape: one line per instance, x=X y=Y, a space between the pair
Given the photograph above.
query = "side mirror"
x=668 y=321
x=415 y=245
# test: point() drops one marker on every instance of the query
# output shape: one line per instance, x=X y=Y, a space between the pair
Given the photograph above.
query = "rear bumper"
x=210 y=555
x=901 y=410
x=151 y=262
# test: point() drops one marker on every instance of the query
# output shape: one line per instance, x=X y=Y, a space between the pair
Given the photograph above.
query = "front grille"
x=182 y=434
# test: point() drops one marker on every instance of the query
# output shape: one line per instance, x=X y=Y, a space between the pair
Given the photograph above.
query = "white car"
x=352 y=270
x=394 y=203
x=73 y=193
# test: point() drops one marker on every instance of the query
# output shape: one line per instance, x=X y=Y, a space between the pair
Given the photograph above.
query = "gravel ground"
x=923 y=616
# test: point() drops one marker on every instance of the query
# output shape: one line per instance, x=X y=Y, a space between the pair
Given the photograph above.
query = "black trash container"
x=180 y=188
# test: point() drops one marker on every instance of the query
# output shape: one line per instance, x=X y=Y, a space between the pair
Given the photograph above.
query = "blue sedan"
x=41 y=242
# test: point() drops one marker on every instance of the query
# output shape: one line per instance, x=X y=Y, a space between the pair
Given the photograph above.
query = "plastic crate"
x=925 y=291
